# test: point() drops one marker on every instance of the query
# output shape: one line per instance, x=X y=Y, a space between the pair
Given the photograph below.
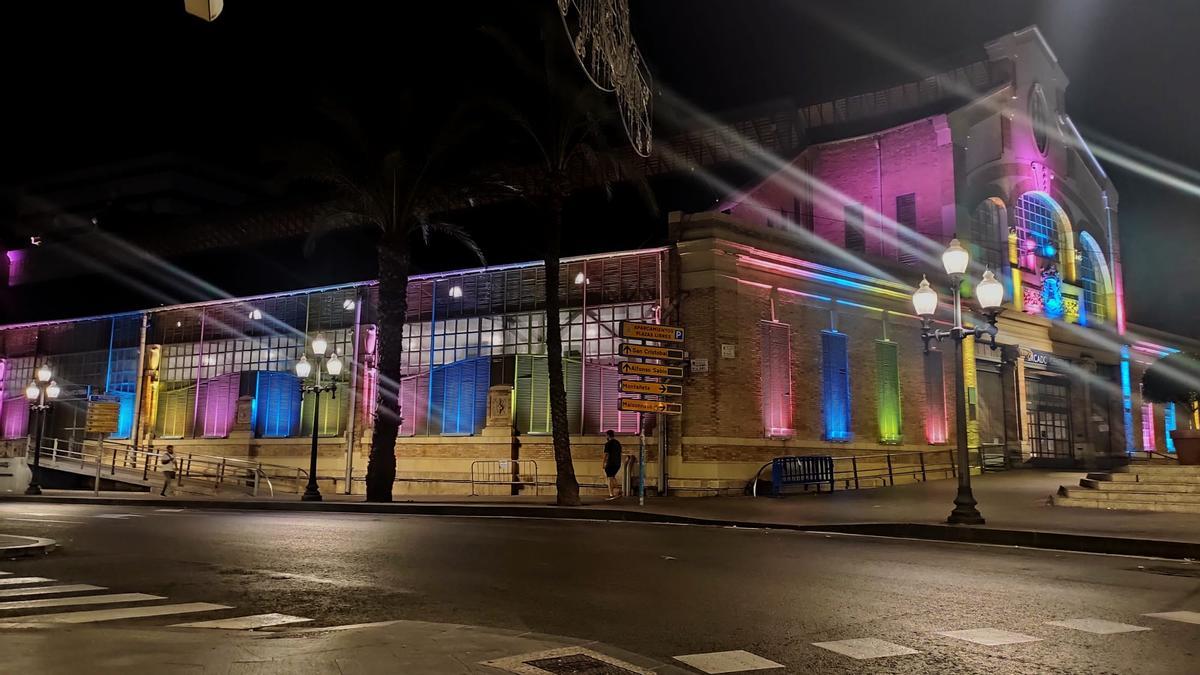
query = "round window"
x=1039 y=117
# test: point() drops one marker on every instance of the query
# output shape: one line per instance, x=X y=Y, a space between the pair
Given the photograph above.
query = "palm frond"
x=456 y=232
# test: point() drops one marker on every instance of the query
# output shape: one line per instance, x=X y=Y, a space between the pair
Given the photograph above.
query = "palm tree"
x=560 y=122
x=396 y=193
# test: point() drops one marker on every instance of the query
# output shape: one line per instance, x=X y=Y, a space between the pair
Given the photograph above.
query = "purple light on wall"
x=218 y=405
x=16 y=266
x=15 y=416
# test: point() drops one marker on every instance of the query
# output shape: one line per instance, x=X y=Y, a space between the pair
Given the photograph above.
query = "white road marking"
x=738 y=661
x=990 y=637
x=46 y=520
x=37 y=514
x=118 y=516
x=18 y=581
x=4 y=574
x=169 y=510
x=866 y=648
x=245 y=622
x=1097 y=626
x=1186 y=617
x=46 y=590
x=120 y=613
x=111 y=598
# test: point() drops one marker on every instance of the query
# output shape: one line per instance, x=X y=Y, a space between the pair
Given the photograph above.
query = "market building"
x=794 y=292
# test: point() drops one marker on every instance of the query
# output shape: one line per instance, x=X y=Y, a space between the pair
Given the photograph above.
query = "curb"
x=31 y=546
x=1060 y=541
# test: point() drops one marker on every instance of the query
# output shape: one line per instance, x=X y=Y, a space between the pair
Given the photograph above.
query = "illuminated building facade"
x=795 y=294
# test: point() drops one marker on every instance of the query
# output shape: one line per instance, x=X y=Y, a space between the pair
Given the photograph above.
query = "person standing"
x=167 y=464
x=612 y=463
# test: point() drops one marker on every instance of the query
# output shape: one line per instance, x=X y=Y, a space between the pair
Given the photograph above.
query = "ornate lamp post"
x=333 y=365
x=40 y=390
x=990 y=294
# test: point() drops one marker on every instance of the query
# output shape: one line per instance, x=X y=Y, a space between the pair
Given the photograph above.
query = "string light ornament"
x=605 y=48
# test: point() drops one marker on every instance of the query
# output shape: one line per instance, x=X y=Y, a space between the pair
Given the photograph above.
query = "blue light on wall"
x=1127 y=400
x=124 y=414
x=459 y=395
x=1169 y=425
x=835 y=386
x=276 y=404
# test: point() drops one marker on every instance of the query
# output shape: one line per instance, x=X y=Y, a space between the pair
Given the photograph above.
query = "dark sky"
x=88 y=82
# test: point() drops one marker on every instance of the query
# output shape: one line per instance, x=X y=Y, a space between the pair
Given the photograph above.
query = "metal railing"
x=882 y=470
x=127 y=462
x=510 y=472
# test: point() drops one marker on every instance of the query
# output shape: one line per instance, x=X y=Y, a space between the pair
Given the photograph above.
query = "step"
x=1082 y=502
x=1157 y=478
x=1129 y=486
x=1175 y=469
x=1130 y=496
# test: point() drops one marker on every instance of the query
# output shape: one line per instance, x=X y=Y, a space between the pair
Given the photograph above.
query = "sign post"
x=668 y=367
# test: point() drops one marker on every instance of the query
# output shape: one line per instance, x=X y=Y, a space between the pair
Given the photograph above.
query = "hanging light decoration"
x=604 y=45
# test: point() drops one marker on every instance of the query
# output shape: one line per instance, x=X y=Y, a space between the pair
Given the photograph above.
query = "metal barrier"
x=881 y=470
x=511 y=472
x=802 y=470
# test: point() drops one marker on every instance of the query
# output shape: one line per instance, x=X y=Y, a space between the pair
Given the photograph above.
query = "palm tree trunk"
x=393 y=309
x=568 y=486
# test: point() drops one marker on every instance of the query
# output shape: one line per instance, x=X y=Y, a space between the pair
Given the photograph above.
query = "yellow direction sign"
x=655 y=388
x=647 y=352
x=102 y=417
x=642 y=405
x=651 y=331
x=649 y=369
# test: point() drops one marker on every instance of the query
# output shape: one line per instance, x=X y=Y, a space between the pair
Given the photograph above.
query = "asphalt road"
x=657 y=590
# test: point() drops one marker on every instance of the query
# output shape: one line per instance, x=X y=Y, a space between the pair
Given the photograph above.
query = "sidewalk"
x=12 y=546
x=392 y=647
x=1015 y=504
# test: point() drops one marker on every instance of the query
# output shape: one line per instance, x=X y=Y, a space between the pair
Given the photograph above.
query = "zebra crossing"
x=24 y=600
x=868 y=648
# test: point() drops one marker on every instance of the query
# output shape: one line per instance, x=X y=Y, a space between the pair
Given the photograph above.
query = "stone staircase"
x=1137 y=487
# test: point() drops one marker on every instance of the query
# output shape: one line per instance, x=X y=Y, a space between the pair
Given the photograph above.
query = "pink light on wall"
x=15 y=420
x=16 y=266
x=1148 y=440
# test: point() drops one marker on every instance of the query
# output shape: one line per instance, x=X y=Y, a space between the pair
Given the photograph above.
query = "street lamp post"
x=990 y=294
x=40 y=390
x=333 y=365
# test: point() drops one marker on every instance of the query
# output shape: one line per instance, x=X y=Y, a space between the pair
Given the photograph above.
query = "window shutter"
x=460 y=396
x=277 y=404
x=414 y=404
x=852 y=218
x=573 y=381
x=175 y=409
x=887 y=386
x=906 y=216
x=16 y=416
x=776 y=379
x=835 y=385
x=218 y=405
x=124 y=415
x=935 y=398
x=603 y=390
x=332 y=412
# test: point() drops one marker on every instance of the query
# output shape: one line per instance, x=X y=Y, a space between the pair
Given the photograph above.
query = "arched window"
x=1089 y=268
x=1037 y=229
x=986 y=225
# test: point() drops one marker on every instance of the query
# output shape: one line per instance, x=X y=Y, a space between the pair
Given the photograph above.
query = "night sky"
x=87 y=83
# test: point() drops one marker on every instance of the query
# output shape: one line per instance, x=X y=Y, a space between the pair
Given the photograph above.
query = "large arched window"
x=1091 y=271
x=987 y=224
x=1037 y=225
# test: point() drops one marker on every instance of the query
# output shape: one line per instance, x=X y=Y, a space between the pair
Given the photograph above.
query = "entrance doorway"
x=990 y=413
x=1048 y=412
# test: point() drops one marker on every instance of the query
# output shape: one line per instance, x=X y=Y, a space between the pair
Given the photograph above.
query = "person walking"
x=612 y=464
x=167 y=464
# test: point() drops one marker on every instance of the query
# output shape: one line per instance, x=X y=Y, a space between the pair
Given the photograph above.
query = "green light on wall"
x=887 y=385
